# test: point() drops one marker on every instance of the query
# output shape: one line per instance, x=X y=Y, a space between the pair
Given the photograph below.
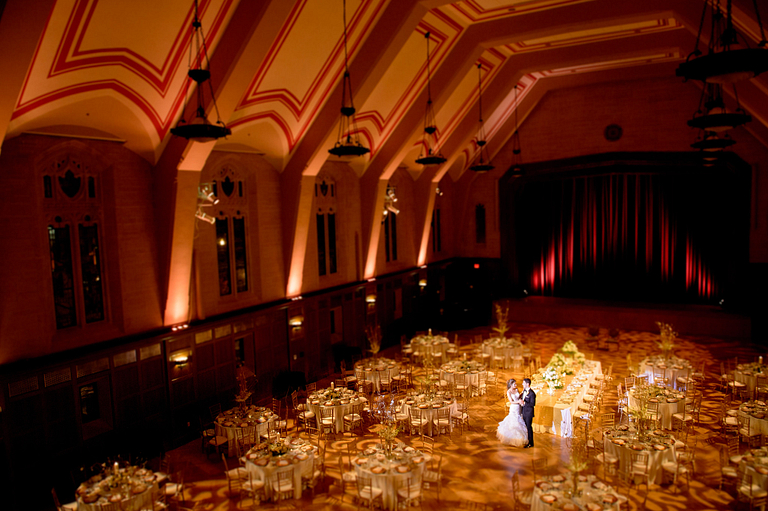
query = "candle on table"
x=116 y=468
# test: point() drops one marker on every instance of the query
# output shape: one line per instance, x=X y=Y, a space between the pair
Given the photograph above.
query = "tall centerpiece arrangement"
x=384 y=411
x=667 y=337
x=374 y=338
x=244 y=393
x=501 y=319
x=578 y=461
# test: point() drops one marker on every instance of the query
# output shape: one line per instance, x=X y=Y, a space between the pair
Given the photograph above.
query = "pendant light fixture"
x=712 y=114
x=517 y=160
x=429 y=140
x=348 y=141
x=199 y=129
x=481 y=165
x=722 y=63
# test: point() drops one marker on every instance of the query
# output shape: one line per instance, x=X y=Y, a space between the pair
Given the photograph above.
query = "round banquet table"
x=299 y=460
x=427 y=346
x=747 y=374
x=620 y=444
x=430 y=409
x=667 y=406
x=134 y=489
x=341 y=405
x=508 y=349
x=755 y=463
x=375 y=370
x=595 y=495
x=253 y=422
x=757 y=411
x=389 y=474
x=673 y=367
x=472 y=371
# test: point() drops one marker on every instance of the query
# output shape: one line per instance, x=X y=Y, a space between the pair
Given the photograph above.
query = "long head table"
x=553 y=414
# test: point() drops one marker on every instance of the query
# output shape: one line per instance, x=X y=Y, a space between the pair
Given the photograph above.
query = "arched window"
x=72 y=204
x=325 y=204
x=231 y=231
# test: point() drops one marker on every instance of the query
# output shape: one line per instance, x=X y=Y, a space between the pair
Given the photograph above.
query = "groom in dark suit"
x=529 y=401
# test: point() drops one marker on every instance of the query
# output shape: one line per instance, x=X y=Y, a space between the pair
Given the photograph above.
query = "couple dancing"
x=516 y=428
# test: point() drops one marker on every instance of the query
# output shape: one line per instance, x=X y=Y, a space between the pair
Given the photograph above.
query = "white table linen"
x=390 y=478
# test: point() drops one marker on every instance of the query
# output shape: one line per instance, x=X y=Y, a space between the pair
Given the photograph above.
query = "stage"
x=700 y=320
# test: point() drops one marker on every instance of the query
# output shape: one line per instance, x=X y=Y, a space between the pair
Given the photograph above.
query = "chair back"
x=215 y=411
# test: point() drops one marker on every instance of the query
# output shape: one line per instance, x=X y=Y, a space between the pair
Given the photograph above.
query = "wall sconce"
x=180 y=359
x=180 y=326
x=370 y=299
x=296 y=321
x=423 y=283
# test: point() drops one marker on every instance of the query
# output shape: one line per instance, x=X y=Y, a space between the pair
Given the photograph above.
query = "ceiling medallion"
x=348 y=140
x=430 y=139
x=199 y=129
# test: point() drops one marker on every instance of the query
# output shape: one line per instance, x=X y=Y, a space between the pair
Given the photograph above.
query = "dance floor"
x=477 y=468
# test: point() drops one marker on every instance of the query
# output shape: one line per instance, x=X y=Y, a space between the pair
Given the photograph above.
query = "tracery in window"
x=325 y=224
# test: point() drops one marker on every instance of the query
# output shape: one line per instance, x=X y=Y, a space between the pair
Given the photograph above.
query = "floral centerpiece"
x=278 y=448
x=552 y=376
x=569 y=348
x=666 y=338
x=388 y=434
x=578 y=461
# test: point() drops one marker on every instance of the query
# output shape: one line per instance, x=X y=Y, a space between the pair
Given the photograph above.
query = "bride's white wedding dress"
x=512 y=430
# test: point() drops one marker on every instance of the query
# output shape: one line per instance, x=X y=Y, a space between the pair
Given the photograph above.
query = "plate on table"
x=418 y=459
x=671 y=400
x=261 y=420
x=377 y=470
x=251 y=456
x=282 y=463
x=758 y=415
x=138 y=488
x=760 y=403
x=227 y=424
x=436 y=405
x=591 y=506
x=653 y=400
x=306 y=448
x=558 y=478
x=116 y=497
x=660 y=447
x=543 y=486
x=262 y=462
x=658 y=432
x=623 y=427
x=761 y=470
x=149 y=479
x=548 y=498
x=636 y=447
x=90 y=498
x=423 y=406
x=599 y=485
x=410 y=449
x=618 y=441
x=403 y=469
x=570 y=506
x=610 y=498
x=360 y=461
x=243 y=424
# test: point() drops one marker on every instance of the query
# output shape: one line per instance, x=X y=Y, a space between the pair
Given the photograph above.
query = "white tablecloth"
x=665 y=409
x=130 y=502
x=376 y=374
x=231 y=432
x=340 y=409
x=391 y=479
x=508 y=353
x=671 y=370
x=588 y=494
x=431 y=414
x=655 y=459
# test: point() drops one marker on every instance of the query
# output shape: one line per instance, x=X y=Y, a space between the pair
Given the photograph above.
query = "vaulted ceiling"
x=117 y=69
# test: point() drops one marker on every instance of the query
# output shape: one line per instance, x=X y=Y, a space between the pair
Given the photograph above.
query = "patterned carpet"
x=477 y=468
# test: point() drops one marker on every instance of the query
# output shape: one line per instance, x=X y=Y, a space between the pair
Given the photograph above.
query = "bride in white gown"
x=512 y=430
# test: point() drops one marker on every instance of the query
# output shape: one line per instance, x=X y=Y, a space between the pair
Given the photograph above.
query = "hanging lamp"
x=481 y=165
x=712 y=114
x=429 y=139
x=348 y=141
x=199 y=129
x=517 y=160
x=722 y=63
